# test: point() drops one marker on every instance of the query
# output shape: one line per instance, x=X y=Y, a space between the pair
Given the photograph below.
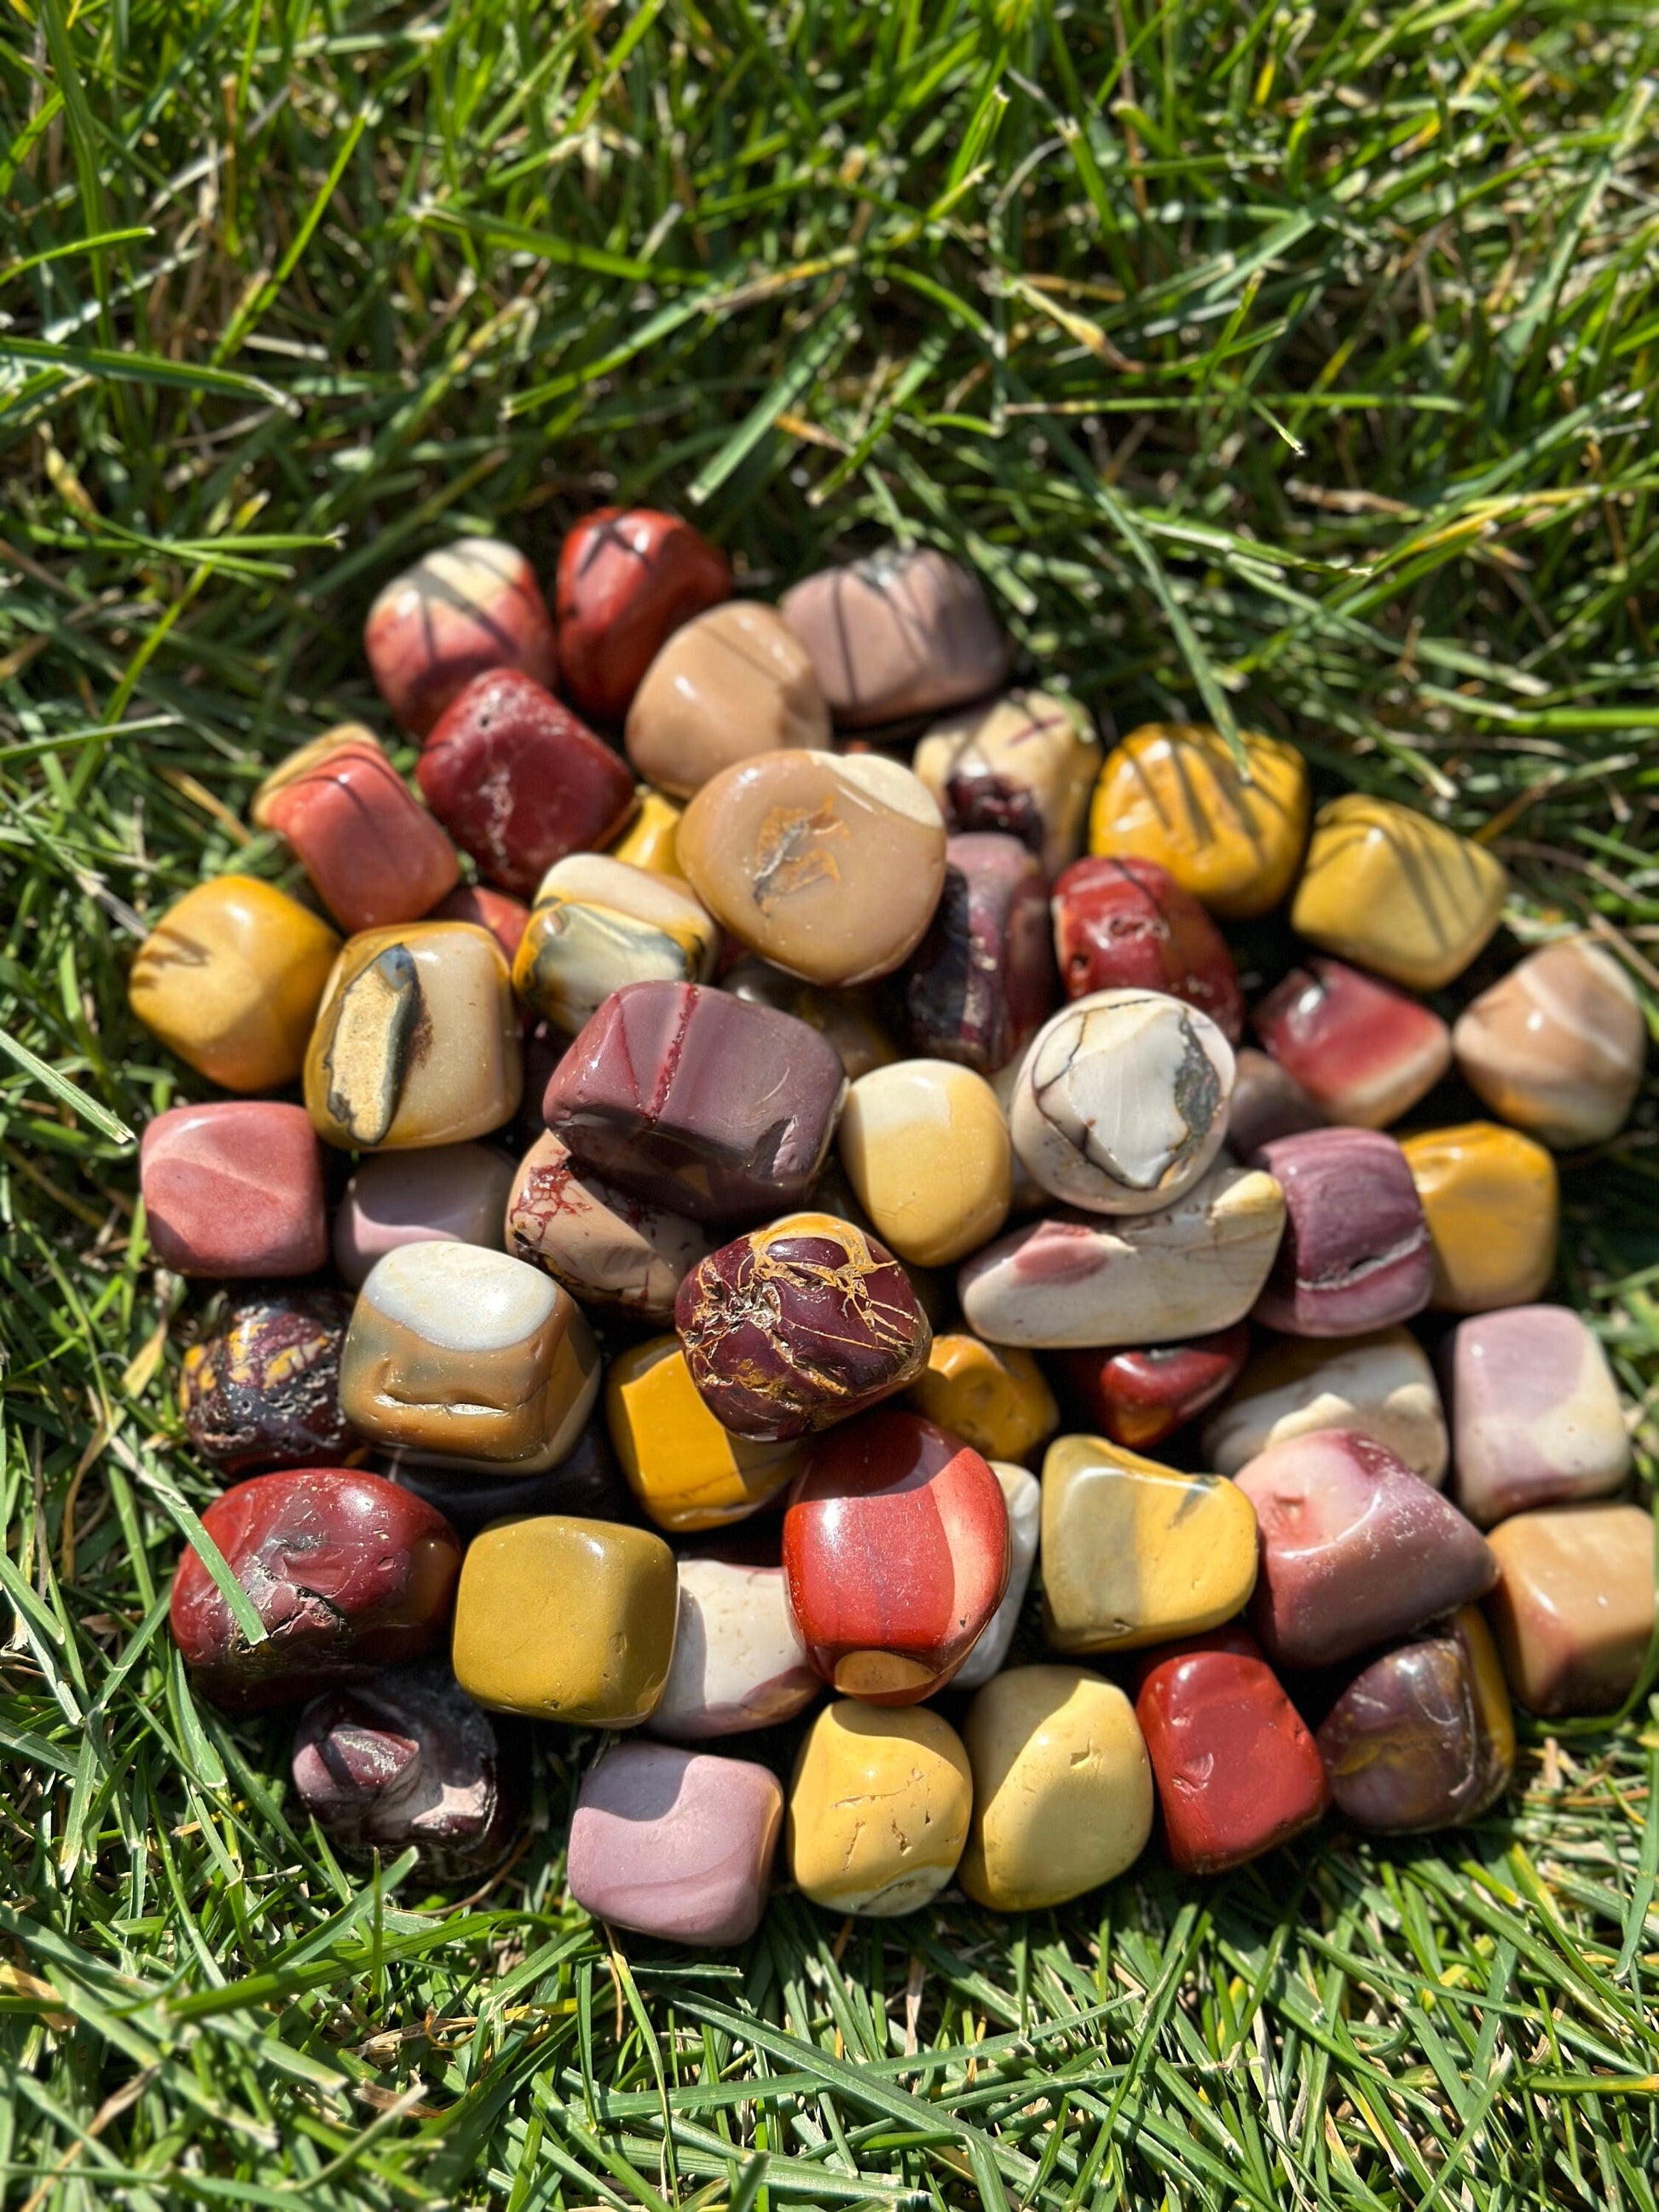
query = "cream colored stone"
x=1382 y=1386
x=738 y=1662
x=1025 y=763
x=599 y=923
x=1023 y=1494
x=1557 y=1046
x=926 y=1152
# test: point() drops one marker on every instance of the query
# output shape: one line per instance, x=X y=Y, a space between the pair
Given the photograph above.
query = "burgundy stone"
x=1406 y=1744
x=677 y=1844
x=235 y=1189
x=1127 y=924
x=982 y=982
x=627 y=579
x=1138 y=1398
x=1356 y=1254
x=1266 y=1103
x=503 y=917
x=262 y=1389
x=586 y=1486
x=473 y=606
x=1362 y=1051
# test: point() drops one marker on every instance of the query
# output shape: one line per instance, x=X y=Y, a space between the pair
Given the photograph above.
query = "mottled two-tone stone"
x=1363 y=1052
x=1356 y=1254
x=262 y=1388
x=981 y=982
x=676 y=1845
x=1573 y=1610
x=598 y=925
x=879 y=1805
x=628 y=578
x=1394 y=891
x=652 y=837
x=606 y=1245
x=234 y=1188
x=897 y=634
x=729 y=683
x=1492 y=1202
x=1381 y=1386
x=1176 y=793
x=1139 y=1396
x=1424 y=1737
x=375 y=854
x=683 y=1467
x=1023 y=764
x=1535 y=1413
x=1127 y=924
x=994 y=1398
x=738 y=1660
x=1557 y=1046
x=471 y=606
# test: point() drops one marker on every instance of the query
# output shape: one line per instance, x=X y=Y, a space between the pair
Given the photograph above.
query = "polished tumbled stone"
x=1557 y=1046
x=738 y=1660
x=471 y=606
x=628 y=578
x=1356 y=1254
x=234 y=1188
x=676 y=1845
x=1266 y=1103
x=608 y=1246
x=1174 y=793
x=652 y=838
x=730 y=683
x=1022 y=1493
x=1394 y=891
x=684 y=1468
x=1574 y=1607
x=899 y=633
x=1362 y=1051
x=879 y=1805
x=375 y=854
x=981 y=982
x=1127 y=924
x=1492 y=1203
x=1024 y=764
x=1138 y=1397
x=597 y=925
x=994 y=1398
x=1535 y=1413
x=262 y=1390
x=444 y=1194
x=1423 y=1738
x=926 y=1149
x=1380 y=1386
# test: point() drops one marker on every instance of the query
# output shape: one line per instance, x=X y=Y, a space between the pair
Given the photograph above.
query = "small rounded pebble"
x=1573 y=1610
x=1356 y=1254
x=1492 y=1199
x=1174 y=792
x=1139 y=1397
x=676 y=1845
x=628 y=578
x=1363 y=1052
x=234 y=1188
x=878 y=1810
x=1557 y=1046
x=686 y=1471
x=982 y=979
x=730 y=683
x=994 y=1398
x=1381 y=1386
x=1424 y=1737
x=608 y=1247
x=471 y=606
x=1391 y=890
x=1023 y=765
x=1127 y=924
x=263 y=1390
x=445 y=1194
x=375 y=854
x=738 y=1660
x=926 y=1149
x=1536 y=1411
x=898 y=633
x=598 y=925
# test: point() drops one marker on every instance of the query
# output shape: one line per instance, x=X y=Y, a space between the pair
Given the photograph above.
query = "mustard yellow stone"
x=1133 y=1552
x=879 y=1807
x=1173 y=793
x=991 y=1396
x=1493 y=1201
x=567 y=1620
x=230 y=979
x=685 y=1469
x=1062 y=1787
x=1390 y=889
x=925 y=1147
x=649 y=841
x=1491 y=1692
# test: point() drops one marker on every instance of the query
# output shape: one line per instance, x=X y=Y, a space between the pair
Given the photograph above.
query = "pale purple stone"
x=674 y=1843
x=1535 y=1413
x=449 y=1194
x=1356 y=1254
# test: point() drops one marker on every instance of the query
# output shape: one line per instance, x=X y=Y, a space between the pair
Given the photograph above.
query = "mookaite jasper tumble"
x=234 y=1188
x=738 y=1660
x=1356 y=1254
x=1573 y=1609
x=446 y=1194
x=1355 y=1548
x=628 y=578
x=926 y=1149
x=897 y=634
x=1390 y=889
x=652 y=838
x=731 y=682
x=1238 y=1772
x=982 y=979
x=797 y=1325
x=878 y=1809
x=1363 y=1052
x=1381 y=1386
x=1266 y=1103
x=698 y=1101
x=565 y=1619
x=345 y=1571
x=1173 y=793
x=1557 y=1047
x=519 y=782
x=895 y=1544
x=474 y=605
x=1024 y=764
x=685 y=1469
x=1493 y=1204
x=677 y=1844
x=1423 y=1738
x=1536 y=1411
x=993 y=1399
x=606 y=1245
x=1127 y=924
x=598 y=925
x=827 y=865
x=468 y=1354
x=1135 y=1554
x=849 y=1021
x=1022 y=1494
x=1062 y=1788
x=373 y=853
x=1138 y=1398
x=416 y=1040
x=264 y=1389
x=230 y=978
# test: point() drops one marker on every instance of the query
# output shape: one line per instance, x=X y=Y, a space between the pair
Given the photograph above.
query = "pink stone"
x=1356 y=1254
x=447 y=1194
x=235 y=1188
x=473 y=605
x=677 y=1844
x=1535 y=1413
x=1362 y=1051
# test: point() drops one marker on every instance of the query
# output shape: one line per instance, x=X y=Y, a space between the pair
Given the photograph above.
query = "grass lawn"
x=1290 y=363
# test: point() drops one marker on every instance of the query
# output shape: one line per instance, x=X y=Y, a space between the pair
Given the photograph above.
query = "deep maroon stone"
x=982 y=982
x=1138 y=1398
x=1127 y=924
x=262 y=1390
x=1266 y=1103
x=1406 y=1744
x=586 y=1485
x=627 y=579
x=1356 y=1254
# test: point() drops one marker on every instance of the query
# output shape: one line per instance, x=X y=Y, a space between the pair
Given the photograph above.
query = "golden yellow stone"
x=1390 y=889
x=230 y=979
x=1173 y=793
x=1491 y=1692
x=649 y=841
x=991 y=1396
x=1062 y=1787
x=685 y=1469
x=567 y=1620
x=1493 y=1201
x=1133 y=1552
x=879 y=1807
x=925 y=1147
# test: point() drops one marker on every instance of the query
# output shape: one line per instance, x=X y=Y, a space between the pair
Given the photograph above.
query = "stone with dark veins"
x=606 y=1245
x=1356 y=1253
x=627 y=579
x=262 y=1390
x=898 y=633
x=1023 y=765
x=471 y=606
x=982 y=979
x=372 y=850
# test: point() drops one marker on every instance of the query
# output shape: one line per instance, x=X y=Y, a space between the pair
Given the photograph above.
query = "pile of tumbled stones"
x=738 y=1167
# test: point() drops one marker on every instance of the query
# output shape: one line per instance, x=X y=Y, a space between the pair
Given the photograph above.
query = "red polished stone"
x=503 y=917
x=1138 y=1398
x=473 y=606
x=896 y=1547
x=1235 y=1768
x=982 y=982
x=627 y=579
x=374 y=854
x=346 y=1571
x=519 y=782
x=235 y=1188
x=1127 y=924
x=1363 y=1052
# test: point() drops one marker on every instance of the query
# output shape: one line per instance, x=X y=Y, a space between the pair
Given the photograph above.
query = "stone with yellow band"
x=1492 y=1199
x=993 y=1396
x=685 y=1469
x=1174 y=793
x=650 y=840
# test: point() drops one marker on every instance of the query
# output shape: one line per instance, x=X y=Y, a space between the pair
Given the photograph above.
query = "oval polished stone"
x=1536 y=1411
x=262 y=1389
x=373 y=853
x=345 y=1571
x=926 y=1149
x=673 y=1843
x=1392 y=890
x=607 y=1246
x=503 y=917
x=1356 y=1254
x=1024 y=764
x=799 y=1325
x=730 y=683
x=1266 y=1103
x=1078 y=1278
x=895 y=1547
x=1127 y=924
x=628 y=578
x=1062 y=1787
x=981 y=982
x=1355 y=1548
x=1557 y=1046
x=652 y=838
x=230 y=979
x=445 y=1194
x=1364 y=1052
x=468 y=607
x=738 y=1660
x=1136 y=1398
x=994 y=1398
x=878 y=1809
x=1380 y=1386
x=234 y=1187
x=1492 y=1203
x=849 y=1021
x=1573 y=1609
x=901 y=632
x=1122 y=1101
x=598 y=925
x=1173 y=793
x=682 y=1467
x=827 y=865
x=1424 y=1737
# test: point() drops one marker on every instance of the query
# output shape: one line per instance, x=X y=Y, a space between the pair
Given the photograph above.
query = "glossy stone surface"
x=1492 y=1203
x=519 y=780
x=1381 y=1386
x=628 y=578
x=1356 y=1254
x=503 y=917
x=1354 y=1548
x=1238 y=1772
x=586 y=1485
x=1172 y=793
x=851 y=1021
x=652 y=838
x=1391 y=890
x=1077 y=1278
x=707 y=1105
x=1022 y=1494
x=1062 y=1787
x=470 y=1354
x=373 y=853
x=346 y=1572
x=469 y=607
x=405 y=1759
x=566 y=1620
x=828 y=865
x=1557 y=1046
x=1572 y=1612
x=878 y=1809
x=1266 y=1103
x=981 y=980
x=1122 y=1101
x=1136 y=1398
x=993 y=1398
x=1024 y=764
x=1135 y=1554
x=416 y=1040
x=926 y=1149
x=677 y=1844
x=1363 y=1052
x=682 y=1467
x=738 y=1661
x=730 y=683
x=1423 y=1738
x=597 y=925
x=899 y=633
x=1127 y=924
x=234 y=1188
x=446 y=1194
x=262 y=1389
x=230 y=978
x=1535 y=1412
x=607 y=1246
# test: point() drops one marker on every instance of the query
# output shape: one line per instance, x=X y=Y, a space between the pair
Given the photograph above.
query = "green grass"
x=1297 y=363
